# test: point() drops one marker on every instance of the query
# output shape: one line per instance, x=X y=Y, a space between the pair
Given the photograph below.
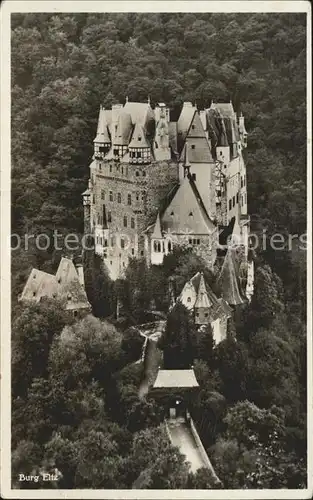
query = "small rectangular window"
x=102 y=194
x=132 y=223
x=122 y=243
x=233 y=201
x=129 y=199
x=110 y=169
x=193 y=176
x=111 y=195
x=119 y=198
x=229 y=205
x=109 y=216
x=125 y=221
x=237 y=198
x=193 y=146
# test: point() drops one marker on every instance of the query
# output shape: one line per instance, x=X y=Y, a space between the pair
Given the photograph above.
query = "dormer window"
x=139 y=138
x=189 y=299
x=59 y=280
x=172 y=214
x=193 y=146
x=190 y=214
x=69 y=297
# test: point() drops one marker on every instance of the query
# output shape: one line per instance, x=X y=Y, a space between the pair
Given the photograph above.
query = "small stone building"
x=66 y=285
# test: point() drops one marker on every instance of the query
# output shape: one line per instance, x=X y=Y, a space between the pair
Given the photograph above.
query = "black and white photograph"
x=156 y=286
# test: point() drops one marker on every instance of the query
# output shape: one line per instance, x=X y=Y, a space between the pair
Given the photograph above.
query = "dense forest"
x=75 y=404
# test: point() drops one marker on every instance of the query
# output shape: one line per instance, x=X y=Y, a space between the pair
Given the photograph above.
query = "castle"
x=156 y=183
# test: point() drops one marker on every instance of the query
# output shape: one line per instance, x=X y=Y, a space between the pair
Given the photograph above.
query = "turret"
x=86 y=203
x=161 y=145
x=122 y=135
x=139 y=147
x=157 y=243
x=242 y=131
x=102 y=141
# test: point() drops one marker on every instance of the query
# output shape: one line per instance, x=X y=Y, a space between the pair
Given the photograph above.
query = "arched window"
x=125 y=220
x=159 y=246
x=189 y=299
x=155 y=246
x=111 y=195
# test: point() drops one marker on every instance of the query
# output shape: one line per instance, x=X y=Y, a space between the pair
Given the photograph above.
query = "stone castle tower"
x=155 y=183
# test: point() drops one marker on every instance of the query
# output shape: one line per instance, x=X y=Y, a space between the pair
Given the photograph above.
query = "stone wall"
x=131 y=194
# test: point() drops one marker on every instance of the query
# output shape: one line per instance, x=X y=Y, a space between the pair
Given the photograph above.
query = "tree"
x=89 y=349
x=32 y=334
x=164 y=467
x=177 y=339
x=273 y=374
x=203 y=479
x=253 y=455
x=98 y=285
x=232 y=362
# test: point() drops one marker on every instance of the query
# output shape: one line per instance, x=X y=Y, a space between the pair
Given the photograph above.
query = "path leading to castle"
x=153 y=358
x=182 y=437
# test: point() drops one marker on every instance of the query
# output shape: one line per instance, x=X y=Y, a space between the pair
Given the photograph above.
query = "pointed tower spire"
x=202 y=296
x=157 y=232
x=228 y=281
x=102 y=136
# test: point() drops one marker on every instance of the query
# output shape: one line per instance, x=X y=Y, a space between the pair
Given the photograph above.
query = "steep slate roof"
x=102 y=130
x=175 y=378
x=189 y=213
x=184 y=120
x=202 y=296
x=124 y=129
x=139 y=139
x=157 y=232
x=39 y=284
x=64 y=285
x=66 y=271
x=140 y=112
x=216 y=127
x=199 y=148
x=228 y=280
x=196 y=281
x=225 y=108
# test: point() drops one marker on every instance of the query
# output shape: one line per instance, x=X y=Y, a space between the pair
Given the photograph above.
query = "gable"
x=186 y=214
